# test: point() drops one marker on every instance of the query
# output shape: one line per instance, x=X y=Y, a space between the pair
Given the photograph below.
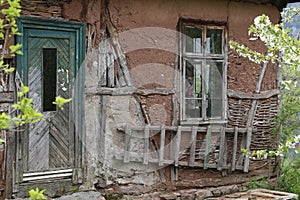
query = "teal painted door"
x=50 y=73
x=48 y=154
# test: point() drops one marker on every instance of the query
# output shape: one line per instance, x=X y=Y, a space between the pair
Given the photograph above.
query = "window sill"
x=201 y=122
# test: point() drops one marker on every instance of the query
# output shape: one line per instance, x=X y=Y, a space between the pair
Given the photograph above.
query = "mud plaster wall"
x=242 y=74
x=102 y=139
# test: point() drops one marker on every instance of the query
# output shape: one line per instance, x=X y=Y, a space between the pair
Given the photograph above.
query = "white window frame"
x=197 y=58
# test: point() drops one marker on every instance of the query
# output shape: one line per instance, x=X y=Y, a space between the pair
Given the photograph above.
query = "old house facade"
x=160 y=102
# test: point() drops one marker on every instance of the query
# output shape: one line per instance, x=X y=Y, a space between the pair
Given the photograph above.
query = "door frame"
x=77 y=103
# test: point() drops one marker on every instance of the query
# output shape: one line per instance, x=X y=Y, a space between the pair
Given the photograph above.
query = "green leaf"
x=37 y=194
x=59 y=101
x=2 y=141
x=9 y=70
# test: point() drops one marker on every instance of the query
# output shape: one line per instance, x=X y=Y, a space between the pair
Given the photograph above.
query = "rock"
x=170 y=196
x=91 y=195
x=202 y=194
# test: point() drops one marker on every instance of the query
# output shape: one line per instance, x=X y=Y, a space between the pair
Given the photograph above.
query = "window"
x=49 y=78
x=203 y=73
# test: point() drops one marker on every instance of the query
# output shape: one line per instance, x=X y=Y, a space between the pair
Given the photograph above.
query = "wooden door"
x=50 y=73
x=49 y=151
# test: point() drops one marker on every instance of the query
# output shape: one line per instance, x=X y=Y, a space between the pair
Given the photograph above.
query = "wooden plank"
x=120 y=74
x=248 y=143
x=10 y=158
x=118 y=50
x=103 y=46
x=222 y=149
x=127 y=144
x=146 y=145
x=177 y=146
x=6 y=97
x=253 y=96
x=127 y=91
x=110 y=70
x=162 y=145
x=207 y=147
x=193 y=146
x=236 y=130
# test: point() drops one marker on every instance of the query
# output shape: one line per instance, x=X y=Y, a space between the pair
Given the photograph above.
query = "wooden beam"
x=146 y=145
x=102 y=62
x=10 y=158
x=177 y=146
x=186 y=129
x=207 y=147
x=128 y=91
x=248 y=143
x=221 y=149
x=236 y=130
x=110 y=70
x=162 y=145
x=252 y=96
x=193 y=146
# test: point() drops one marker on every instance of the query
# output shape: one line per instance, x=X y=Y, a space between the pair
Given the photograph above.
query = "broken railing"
x=215 y=147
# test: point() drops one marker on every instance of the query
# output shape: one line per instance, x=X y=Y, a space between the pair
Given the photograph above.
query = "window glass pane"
x=49 y=78
x=193 y=108
x=193 y=80
x=193 y=42
x=214 y=91
x=214 y=43
x=193 y=89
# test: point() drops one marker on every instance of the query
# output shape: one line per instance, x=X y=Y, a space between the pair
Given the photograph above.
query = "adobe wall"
x=150 y=68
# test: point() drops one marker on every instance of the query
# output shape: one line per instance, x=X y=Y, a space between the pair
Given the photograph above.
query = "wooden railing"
x=198 y=152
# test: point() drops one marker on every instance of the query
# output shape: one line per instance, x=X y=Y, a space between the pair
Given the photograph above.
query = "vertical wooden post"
x=222 y=148
x=236 y=130
x=193 y=146
x=111 y=70
x=207 y=147
x=146 y=145
x=10 y=152
x=162 y=145
x=248 y=142
x=177 y=146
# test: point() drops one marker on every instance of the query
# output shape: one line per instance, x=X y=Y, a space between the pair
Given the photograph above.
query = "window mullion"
x=204 y=90
x=183 y=89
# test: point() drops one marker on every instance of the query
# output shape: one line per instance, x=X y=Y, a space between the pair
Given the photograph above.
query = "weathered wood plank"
x=193 y=146
x=10 y=160
x=248 y=143
x=128 y=91
x=146 y=145
x=120 y=55
x=186 y=129
x=207 y=147
x=128 y=133
x=162 y=145
x=103 y=46
x=110 y=70
x=253 y=96
x=222 y=149
x=6 y=97
x=177 y=146
x=236 y=130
